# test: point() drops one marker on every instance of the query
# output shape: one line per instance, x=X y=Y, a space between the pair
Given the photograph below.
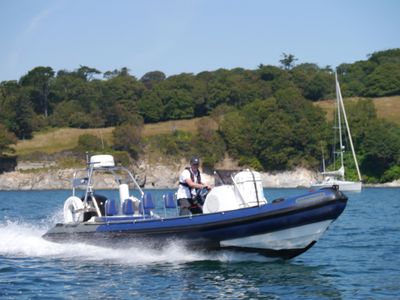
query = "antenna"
x=101 y=137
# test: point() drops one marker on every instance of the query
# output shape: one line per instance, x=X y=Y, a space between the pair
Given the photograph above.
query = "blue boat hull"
x=283 y=228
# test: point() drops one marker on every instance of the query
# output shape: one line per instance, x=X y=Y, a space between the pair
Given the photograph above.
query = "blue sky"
x=175 y=36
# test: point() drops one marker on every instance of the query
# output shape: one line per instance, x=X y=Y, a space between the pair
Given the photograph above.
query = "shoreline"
x=152 y=177
x=366 y=186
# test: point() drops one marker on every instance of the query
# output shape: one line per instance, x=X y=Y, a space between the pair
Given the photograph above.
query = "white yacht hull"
x=344 y=186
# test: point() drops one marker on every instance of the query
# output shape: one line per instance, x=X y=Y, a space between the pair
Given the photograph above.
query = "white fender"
x=73 y=210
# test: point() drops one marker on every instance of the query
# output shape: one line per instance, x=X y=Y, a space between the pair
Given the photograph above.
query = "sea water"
x=357 y=258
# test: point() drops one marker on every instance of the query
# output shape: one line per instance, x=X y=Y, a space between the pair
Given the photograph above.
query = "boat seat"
x=147 y=204
x=111 y=207
x=169 y=200
x=128 y=207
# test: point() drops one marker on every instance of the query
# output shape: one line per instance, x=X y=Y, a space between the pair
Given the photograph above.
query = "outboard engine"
x=249 y=185
x=100 y=200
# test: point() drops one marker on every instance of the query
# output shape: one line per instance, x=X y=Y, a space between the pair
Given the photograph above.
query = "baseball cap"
x=194 y=161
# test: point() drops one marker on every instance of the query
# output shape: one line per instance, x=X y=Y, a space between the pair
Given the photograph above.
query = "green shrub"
x=122 y=157
x=88 y=142
x=252 y=163
x=392 y=174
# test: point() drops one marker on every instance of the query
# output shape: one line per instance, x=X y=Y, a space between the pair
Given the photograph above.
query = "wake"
x=19 y=239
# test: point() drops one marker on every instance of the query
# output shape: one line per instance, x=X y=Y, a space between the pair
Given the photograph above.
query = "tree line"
x=269 y=107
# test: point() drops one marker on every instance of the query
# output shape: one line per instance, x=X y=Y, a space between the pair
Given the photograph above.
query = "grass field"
x=386 y=107
x=171 y=126
x=56 y=140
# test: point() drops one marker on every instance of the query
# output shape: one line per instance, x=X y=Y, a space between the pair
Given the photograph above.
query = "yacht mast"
x=339 y=125
x=341 y=106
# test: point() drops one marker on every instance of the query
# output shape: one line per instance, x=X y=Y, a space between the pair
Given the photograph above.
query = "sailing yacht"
x=337 y=177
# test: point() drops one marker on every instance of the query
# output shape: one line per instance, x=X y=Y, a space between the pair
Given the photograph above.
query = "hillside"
x=56 y=140
x=155 y=162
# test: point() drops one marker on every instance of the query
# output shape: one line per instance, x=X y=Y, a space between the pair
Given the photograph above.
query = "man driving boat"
x=190 y=183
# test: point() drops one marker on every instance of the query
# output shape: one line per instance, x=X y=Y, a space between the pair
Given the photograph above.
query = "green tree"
x=121 y=92
x=39 y=80
x=7 y=138
x=275 y=134
x=392 y=173
x=121 y=72
x=377 y=142
x=16 y=110
x=151 y=107
x=80 y=88
x=151 y=78
x=391 y=56
x=63 y=113
x=314 y=82
x=383 y=81
x=177 y=105
x=127 y=137
x=87 y=73
x=360 y=115
x=270 y=73
x=8 y=94
x=235 y=130
x=288 y=61
x=218 y=94
x=381 y=149
x=209 y=144
x=377 y=76
x=67 y=86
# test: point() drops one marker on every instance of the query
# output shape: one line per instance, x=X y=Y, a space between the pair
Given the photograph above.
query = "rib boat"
x=236 y=215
